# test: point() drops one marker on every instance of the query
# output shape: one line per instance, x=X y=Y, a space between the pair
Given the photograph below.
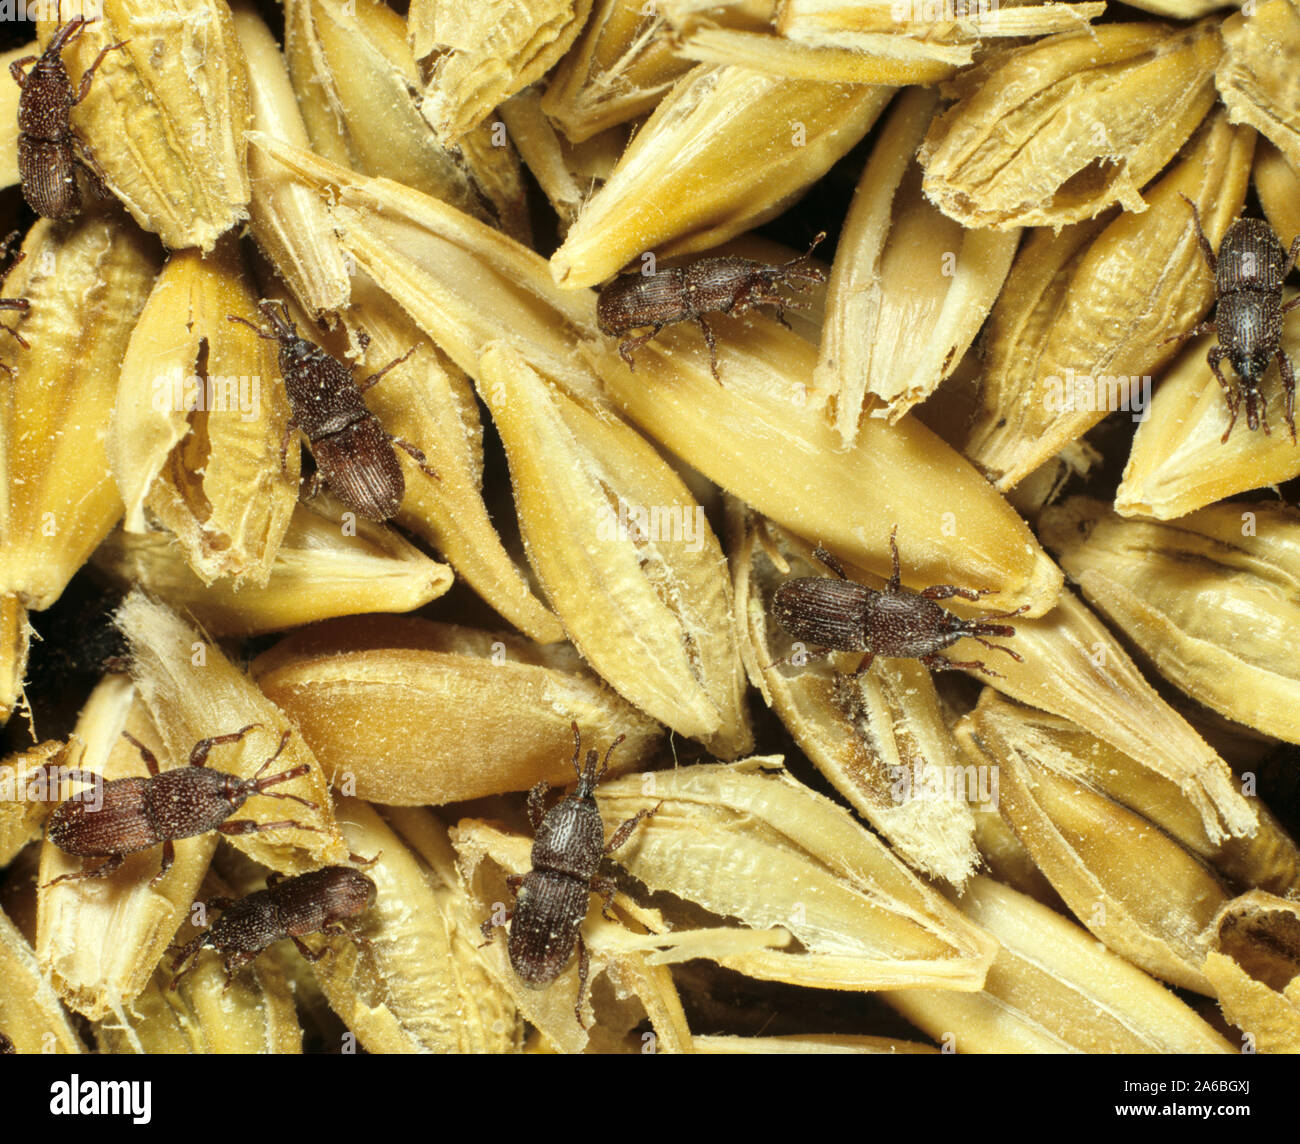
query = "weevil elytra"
x=139 y=813
x=354 y=453
x=47 y=145
x=896 y=623
x=1248 y=275
x=552 y=898
x=724 y=285
x=316 y=902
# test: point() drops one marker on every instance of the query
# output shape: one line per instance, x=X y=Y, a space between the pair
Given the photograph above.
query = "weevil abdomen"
x=121 y=825
x=828 y=613
x=359 y=464
x=546 y=925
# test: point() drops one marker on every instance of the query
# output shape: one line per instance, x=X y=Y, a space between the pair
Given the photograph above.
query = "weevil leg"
x=199 y=756
x=584 y=968
x=16 y=69
x=606 y=888
x=84 y=89
x=827 y=558
x=537 y=805
x=279 y=750
x=1230 y=392
x=1251 y=395
x=1288 y=385
x=418 y=457
x=261 y=333
x=947 y=591
x=22 y=341
x=104 y=871
x=895 y=575
x=1206 y=248
x=233 y=963
x=189 y=950
x=284 y=445
x=713 y=347
x=307 y=951
x=1291 y=256
x=999 y=647
x=168 y=857
x=373 y=379
x=625 y=348
x=355 y=936
x=864 y=665
x=936 y=662
x=624 y=832
x=1189 y=334
x=249 y=826
x=150 y=759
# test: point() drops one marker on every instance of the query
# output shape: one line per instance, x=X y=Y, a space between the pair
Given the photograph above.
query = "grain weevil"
x=896 y=623
x=568 y=845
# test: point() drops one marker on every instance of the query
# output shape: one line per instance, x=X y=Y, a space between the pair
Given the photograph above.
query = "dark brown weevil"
x=1248 y=276
x=47 y=156
x=895 y=622
x=139 y=813
x=568 y=845
x=289 y=907
x=726 y=285
x=6 y=1045
x=354 y=453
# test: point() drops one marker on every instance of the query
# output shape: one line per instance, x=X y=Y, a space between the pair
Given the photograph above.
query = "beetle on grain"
x=568 y=845
x=47 y=159
x=1248 y=276
x=6 y=1045
x=354 y=453
x=289 y=907
x=895 y=622
x=727 y=285
x=138 y=813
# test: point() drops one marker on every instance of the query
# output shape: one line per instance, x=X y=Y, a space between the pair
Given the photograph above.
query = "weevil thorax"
x=724 y=284
x=571 y=839
x=193 y=800
x=906 y=625
x=47 y=95
x=248 y=925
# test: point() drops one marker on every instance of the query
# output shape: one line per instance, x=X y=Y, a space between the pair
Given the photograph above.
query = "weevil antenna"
x=605 y=765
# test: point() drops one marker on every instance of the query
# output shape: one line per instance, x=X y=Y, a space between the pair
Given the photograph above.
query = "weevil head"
x=277 y=313
x=800 y=269
x=588 y=777
x=1250 y=368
